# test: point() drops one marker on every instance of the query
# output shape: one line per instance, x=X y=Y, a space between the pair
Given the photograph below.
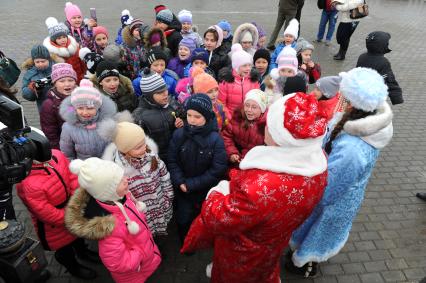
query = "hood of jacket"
x=128 y=39
x=228 y=75
x=239 y=32
x=64 y=52
x=125 y=85
x=68 y=113
x=376 y=130
x=95 y=228
x=152 y=31
x=378 y=42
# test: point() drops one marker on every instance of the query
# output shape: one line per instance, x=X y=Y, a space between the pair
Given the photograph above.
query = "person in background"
x=80 y=31
x=125 y=19
x=329 y=14
x=227 y=35
x=247 y=35
x=261 y=43
x=188 y=29
x=164 y=21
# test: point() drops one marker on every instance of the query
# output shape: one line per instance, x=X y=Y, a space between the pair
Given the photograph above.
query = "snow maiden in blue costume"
x=353 y=148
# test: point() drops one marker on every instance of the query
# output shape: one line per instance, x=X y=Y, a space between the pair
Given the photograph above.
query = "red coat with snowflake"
x=252 y=225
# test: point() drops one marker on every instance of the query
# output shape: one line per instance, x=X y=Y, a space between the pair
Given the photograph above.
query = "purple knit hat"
x=260 y=30
x=62 y=70
x=188 y=42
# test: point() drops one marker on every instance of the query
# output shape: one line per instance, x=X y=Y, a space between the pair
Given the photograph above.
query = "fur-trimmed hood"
x=29 y=62
x=241 y=29
x=69 y=115
x=152 y=31
x=95 y=228
x=128 y=39
x=64 y=52
x=228 y=75
x=376 y=130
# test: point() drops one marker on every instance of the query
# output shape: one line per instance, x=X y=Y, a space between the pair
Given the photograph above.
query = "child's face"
x=288 y=39
x=262 y=42
x=76 y=21
x=184 y=52
x=195 y=118
x=287 y=72
x=244 y=70
x=158 y=66
x=86 y=113
x=213 y=94
x=161 y=98
x=123 y=187
x=110 y=84
x=101 y=40
x=210 y=42
x=246 y=45
x=199 y=63
x=161 y=25
x=225 y=33
x=62 y=40
x=65 y=85
x=317 y=93
x=252 y=110
x=261 y=65
x=41 y=64
x=136 y=33
x=306 y=55
x=138 y=151
x=186 y=27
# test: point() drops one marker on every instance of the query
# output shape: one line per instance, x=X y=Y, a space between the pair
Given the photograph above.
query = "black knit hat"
x=201 y=103
x=294 y=84
x=262 y=53
x=40 y=52
x=106 y=69
x=156 y=53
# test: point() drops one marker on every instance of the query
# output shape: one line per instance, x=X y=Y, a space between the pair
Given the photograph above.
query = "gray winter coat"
x=77 y=141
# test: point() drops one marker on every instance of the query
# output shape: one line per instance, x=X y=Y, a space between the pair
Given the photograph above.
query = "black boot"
x=43 y=276
x=84 y=253
x=421 y=196
x=309 y=270
x=340 y=55
x=75 y=268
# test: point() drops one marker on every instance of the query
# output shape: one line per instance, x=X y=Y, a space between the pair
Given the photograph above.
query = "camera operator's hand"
x=32 y=86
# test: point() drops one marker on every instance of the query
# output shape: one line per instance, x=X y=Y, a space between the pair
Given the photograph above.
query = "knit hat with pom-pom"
x=204 y=82
x=72 y=10
x=185 y=16
x=292 y=28
x=239 y=57
x=126 y=18
x=55 y=28
x=151 y=83
x=62 y=70
x=86 y=95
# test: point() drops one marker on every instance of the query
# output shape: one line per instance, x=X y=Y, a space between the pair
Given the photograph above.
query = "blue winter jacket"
x=170 y=78
x=277 y=51
x=33 y=74
x=119 y=38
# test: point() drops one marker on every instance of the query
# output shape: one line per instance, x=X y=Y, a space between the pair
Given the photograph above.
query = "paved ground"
x=388 y=240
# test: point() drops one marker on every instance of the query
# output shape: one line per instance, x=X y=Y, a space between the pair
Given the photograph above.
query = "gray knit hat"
x=56 y=29
x=151 y=83
x=329 y=86
x=112 y=53
x=302 y=45
x=165 y=16
x=40 y=52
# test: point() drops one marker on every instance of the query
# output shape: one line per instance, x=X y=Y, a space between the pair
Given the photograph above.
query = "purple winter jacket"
x=178 y=66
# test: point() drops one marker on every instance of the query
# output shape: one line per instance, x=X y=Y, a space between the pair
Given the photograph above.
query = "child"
x=326 y=92
x=45 y=192
x=133 y=46
x=290 y=37
x=200 y=59
x=91 y=59
x=204 y=83
x=103 y=209
x=188 y=30
x=248 y=36
x=158 y=113
x=100 y=39
x=217 y=55
x=157 y=62
x=261 y=43
x=352 y=149
x=178 y=64
x=156 y=37
x=164 y=21
x=147 y=175
x=311 y=69
x=227 y=35
x=197 y=160
x=247 y=127
x=81 y=32
x=329 y=14
x=377 y=46
x=185 y=86
x=36 y=82
x=82 y=113
x=262 y=60
x=117 y=87
x=66 y=47
x=235 y=82
x=64 y=81
x=125 y=19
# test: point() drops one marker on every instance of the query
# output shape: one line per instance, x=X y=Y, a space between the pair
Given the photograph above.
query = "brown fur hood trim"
x=128 y=38
x=93 y=229
x=152 y=31
x=29 y=63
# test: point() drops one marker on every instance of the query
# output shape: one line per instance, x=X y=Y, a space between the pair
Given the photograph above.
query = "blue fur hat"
x=225 y=25
x=364 y=88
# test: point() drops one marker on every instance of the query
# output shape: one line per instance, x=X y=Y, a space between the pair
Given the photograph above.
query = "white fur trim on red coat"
x=64 y=52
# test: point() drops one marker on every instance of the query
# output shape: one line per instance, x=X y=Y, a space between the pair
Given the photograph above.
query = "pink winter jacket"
x=233 y=88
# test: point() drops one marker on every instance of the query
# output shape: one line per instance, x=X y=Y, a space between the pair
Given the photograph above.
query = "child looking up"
x=290 y=37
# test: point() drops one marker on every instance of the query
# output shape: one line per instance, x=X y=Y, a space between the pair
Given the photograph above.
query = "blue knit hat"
x=364 y=88
x=40 y=52
x=201 y=103
x=165 y=16
x=200 y=54
x=188 y=42
x=226 y=26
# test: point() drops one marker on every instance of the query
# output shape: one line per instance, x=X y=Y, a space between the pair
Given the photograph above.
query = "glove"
x=31 y=86
x=222 y=187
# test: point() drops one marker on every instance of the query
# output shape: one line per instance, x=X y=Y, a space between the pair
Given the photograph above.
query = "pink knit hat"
x=100 y=30
x=62 y=70
x=287 y=59
x=86 y=95
x=72 y=10
x=239 y=57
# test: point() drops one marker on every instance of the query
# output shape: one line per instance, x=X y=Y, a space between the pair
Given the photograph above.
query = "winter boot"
x=340 y=55
x=43 y=276
x=421 y=196
x=75 y=268
x=309 y=270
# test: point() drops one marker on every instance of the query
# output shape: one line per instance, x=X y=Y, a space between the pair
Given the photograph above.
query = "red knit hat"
x=100 y=30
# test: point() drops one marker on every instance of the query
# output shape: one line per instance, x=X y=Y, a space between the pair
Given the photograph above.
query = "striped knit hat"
x=151 y=83
x=86 y=95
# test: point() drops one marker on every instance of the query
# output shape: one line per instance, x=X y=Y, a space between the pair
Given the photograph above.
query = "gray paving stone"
x=358 y=256
x=398 y=263
x=373 y=266
x=415 y=273
x=350 y=268
x=371 y=278
x=331 y=269
x=348 y=278
x=379 y=254
x=391 y=276
x=365 y=246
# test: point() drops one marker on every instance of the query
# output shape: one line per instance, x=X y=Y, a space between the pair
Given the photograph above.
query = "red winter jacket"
x=238 y=139
x=233 y=88
x=45 y=192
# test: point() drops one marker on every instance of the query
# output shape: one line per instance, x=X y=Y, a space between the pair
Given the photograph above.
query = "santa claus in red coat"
x=249 y=220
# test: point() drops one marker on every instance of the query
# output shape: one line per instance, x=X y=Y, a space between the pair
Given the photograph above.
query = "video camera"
x=41 y=83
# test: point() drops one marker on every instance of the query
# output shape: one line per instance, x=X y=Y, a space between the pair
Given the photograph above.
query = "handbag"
x=359 y=12
x=9 y=71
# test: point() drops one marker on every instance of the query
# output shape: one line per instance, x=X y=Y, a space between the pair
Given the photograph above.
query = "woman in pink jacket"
x=103 y=209
x=236 y=82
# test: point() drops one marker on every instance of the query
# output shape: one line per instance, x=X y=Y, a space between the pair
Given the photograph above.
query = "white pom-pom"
x=141 y=206
x=51 y=22
x=125 y=12
x=274 y=74
x=83 y=52
x=133 y=227
x=75 y=166
x=236 y=47
x=68 y=4
x=86 y=83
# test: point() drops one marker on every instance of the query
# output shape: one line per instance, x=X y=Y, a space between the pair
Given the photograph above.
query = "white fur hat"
x=259 y=97
x=247 y=37
x=292 y=28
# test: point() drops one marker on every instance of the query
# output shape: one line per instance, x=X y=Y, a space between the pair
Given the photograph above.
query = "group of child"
x=156 y=120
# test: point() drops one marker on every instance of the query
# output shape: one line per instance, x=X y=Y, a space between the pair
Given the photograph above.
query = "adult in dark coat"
x=164 y=21
x=377 y=46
